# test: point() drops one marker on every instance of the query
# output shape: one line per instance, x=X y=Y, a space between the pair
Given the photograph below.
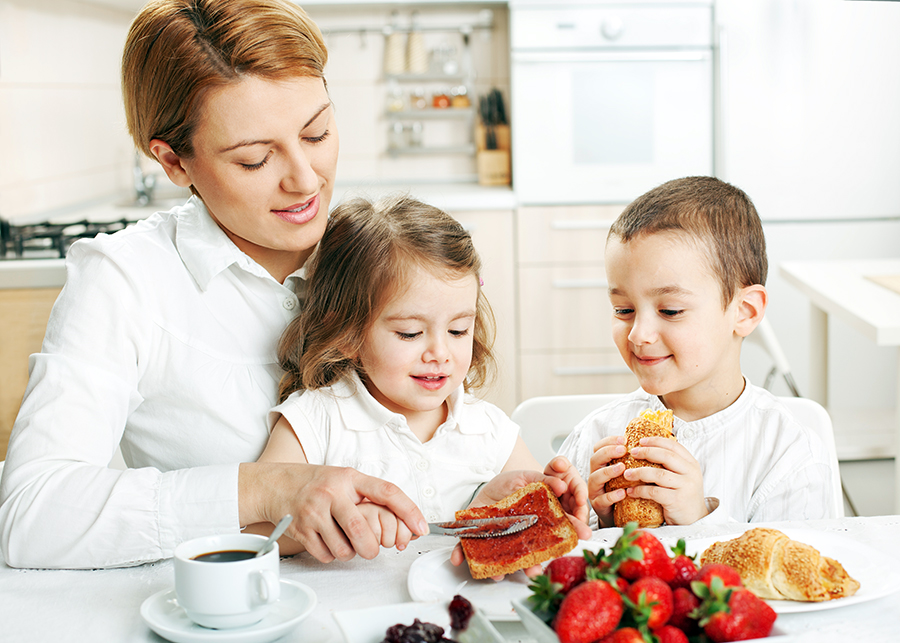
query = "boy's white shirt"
x=759 y=464
x=343 y=425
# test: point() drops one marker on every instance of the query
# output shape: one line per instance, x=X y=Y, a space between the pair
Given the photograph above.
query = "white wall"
x=811 y=99
x=62 y=134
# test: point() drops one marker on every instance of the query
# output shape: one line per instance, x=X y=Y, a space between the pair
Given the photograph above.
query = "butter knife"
x=483 y=527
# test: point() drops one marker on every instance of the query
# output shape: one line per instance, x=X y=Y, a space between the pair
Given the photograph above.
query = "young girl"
x=395 y=331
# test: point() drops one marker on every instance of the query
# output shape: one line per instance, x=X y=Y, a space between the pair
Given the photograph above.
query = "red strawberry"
x=652 y=598
x=589 y=612
x=685 y=568
x=733 y=613
x=670 y=634
x=568 y=571
x=625 y=635
x=650 y=557
x=684 y=602
x=728 y=574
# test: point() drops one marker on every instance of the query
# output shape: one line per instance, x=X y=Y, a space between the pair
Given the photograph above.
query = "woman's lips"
x=299 y=213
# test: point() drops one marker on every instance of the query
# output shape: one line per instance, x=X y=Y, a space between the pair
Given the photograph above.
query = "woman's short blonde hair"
x=176 y=50
x=367 y=254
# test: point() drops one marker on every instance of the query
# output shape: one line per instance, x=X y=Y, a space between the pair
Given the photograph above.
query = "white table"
x=58 y=606
x=840 y=288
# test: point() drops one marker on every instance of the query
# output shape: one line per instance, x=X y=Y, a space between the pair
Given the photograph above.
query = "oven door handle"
x=552 y=57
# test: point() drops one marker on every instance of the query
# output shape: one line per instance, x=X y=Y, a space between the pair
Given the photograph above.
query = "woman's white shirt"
x=164 y=338
x=343 y=425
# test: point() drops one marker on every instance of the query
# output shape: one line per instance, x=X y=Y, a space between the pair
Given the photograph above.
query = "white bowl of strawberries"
x=638 y=591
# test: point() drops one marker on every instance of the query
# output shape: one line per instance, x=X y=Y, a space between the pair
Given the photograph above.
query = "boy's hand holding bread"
x=645 y=476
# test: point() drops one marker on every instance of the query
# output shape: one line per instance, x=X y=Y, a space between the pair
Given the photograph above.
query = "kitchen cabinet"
x=565 y=344
x=23 y=318
x=492 y=233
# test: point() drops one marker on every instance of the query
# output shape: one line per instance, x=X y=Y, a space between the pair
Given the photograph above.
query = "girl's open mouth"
x=431 y=382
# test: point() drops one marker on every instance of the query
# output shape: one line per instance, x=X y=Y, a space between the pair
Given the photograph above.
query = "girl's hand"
x=391 y=531
x=574 y=499
x=602 y=472
x=678 y=485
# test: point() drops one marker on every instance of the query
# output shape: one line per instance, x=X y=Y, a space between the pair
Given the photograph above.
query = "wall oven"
x=609 y=99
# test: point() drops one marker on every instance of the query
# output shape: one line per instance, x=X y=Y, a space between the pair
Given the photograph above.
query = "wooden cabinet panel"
x=575 y=374
x=23 y=320
x=564 y=234
x=565 y=336
x=564 y=308
x=492 y=234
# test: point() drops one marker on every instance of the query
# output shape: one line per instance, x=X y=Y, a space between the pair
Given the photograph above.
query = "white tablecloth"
x=103 y=605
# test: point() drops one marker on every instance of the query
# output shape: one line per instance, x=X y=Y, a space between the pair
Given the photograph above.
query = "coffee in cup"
x=221 y=584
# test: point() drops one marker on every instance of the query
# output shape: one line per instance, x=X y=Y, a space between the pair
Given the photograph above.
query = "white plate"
x=877 y=575
x=432 y=577
x=369 y=625
x=167 y=618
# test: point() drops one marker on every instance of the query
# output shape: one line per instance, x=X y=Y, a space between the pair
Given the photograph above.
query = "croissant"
x=773 y=566
x=645 y=512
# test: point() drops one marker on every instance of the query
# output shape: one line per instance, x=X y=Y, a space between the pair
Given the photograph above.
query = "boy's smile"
x=669 y=324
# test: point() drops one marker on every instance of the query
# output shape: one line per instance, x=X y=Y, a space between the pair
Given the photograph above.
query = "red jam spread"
x=505 y=549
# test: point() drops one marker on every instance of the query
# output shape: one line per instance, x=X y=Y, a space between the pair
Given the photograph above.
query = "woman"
x=164 y=337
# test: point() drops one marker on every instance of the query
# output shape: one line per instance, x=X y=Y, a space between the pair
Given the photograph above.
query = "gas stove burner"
x=50 y=240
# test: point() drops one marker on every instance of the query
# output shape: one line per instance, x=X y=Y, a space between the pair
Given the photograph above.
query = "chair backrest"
x=813 y=415
x=546 y=421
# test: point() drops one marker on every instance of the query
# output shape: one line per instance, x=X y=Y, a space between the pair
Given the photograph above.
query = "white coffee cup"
x=230 y=594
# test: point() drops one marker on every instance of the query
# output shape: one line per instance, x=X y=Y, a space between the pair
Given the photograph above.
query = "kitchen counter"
x=49 y=273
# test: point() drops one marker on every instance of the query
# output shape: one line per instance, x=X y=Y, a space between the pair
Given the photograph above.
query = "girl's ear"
x=752 y=302
x=171 y=163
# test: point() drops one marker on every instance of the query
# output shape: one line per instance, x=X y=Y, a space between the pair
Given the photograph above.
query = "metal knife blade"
x=483 y=527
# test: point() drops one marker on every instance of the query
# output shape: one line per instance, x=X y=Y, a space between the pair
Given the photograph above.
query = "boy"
x=686 y=266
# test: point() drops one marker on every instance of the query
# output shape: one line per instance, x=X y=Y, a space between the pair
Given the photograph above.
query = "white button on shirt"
x=164 y=337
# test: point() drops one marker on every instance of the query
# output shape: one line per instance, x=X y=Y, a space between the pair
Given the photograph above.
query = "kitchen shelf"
x=431 y=113
x=424 y=150
x=427 y=78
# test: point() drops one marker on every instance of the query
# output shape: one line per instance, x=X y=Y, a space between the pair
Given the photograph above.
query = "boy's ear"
x=752 y=302
x=171 y=163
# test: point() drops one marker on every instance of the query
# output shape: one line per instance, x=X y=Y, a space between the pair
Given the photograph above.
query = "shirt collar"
x=207 y=251
x=362 y=412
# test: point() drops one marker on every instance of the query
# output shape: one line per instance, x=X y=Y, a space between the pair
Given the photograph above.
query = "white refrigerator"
x=808 y=124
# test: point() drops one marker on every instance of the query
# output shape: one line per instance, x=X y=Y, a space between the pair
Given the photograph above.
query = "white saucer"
x=167 y=618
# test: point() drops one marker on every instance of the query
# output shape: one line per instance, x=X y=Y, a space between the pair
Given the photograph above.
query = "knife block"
x=493 y=165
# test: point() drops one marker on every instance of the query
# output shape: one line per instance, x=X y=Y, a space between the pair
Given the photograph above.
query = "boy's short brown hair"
x=712 y=212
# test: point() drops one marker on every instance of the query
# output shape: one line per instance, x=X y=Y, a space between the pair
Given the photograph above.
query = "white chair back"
x=546 y=421
x=813 y=415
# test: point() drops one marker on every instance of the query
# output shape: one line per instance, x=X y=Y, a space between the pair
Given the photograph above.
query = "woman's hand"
x=324 y=500
x=678 y=485
x=602 y=472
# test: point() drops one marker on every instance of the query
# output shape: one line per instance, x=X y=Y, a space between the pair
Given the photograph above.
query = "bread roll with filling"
x=645 y=512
